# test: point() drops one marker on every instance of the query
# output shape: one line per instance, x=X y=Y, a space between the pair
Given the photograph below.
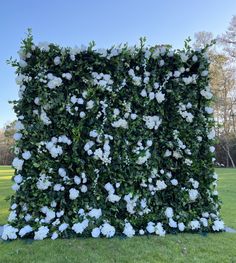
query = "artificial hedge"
x=112 y=141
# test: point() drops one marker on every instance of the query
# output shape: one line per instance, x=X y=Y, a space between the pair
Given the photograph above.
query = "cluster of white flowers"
x=95 y=213
x=9 y=232
x=108 y=230
x=211 y=134
x=129 y=230
x=182 y=109
x=53 y=81
x=67 y=76
x=102 y=80
x=54 y=149
x=218 y=225
x=80 y=227
x=44 y=118
x=155 y=228
x=49 y=214
x=190 y=79
x=152 y=122
x=74 y=193
x=131 y=202
x=17 y=163
x=120 y=123
x=41 y=233
x=112 y=197
x=137 y=81
x=193 y=194
x=43 y=182
x=144 y=157
x=206 y=93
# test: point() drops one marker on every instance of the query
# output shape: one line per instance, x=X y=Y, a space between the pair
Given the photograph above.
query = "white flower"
x=93 y=133
x=96 y=213
x=80 y=227
x=211 y=135
x=128 y=230
x=152 y=122
x=218 y=225
x=54 y=82
x=89 y=104
x=109 y=187
x=113 y=198
x=96 y=232
x=120 y=123
x=18 y=178
x=143 y=159
x=15 y=187
x=159 y=230
x=54 y=235
x=57 y=60
x=17 y=163
x=151 y=95
x=160 y=185
x=206 y=93
x=17 y=136
x=143 y=93
x=160 y=97
x=77 y=180
x=194 y=58
x=25 y=230
x=193 y=194
x=44 y=118
x=73 y=193
x=172 y=223
x=204 y=221
x=9 y=232
x=12 y=216
x=194 y=224
x=204 y=73
x=169 y=212
x=209 y=110
x=22 y=63
x=84 y=188
x=141 y=232
x=133 y=116
x=150 y=227
x=212 y=149
x=167 y=153
x=19 y=126
x=41 y=233
x=174 y=182
x=176 y=74
x=26 y=155
x=149 y=143
x=67 y=76
x=181 y=226
x=63 y=227
x=43 y=182
x=108 y=230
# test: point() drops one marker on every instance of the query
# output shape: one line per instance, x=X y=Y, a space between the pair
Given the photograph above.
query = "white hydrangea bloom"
x=9 y=232
x=152 y=122
x=108 y=230
x=74 y=193
x=41 y=233
x=129 y=230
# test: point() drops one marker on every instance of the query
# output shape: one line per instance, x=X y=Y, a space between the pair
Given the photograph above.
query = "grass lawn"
x=172 y=248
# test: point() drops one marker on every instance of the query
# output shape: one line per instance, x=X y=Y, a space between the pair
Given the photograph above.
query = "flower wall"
x=112 y=142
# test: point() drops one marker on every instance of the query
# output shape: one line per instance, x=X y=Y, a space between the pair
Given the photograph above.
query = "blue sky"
x=106 y=22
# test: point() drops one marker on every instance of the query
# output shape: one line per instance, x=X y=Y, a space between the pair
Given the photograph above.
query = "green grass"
x=211 y=248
